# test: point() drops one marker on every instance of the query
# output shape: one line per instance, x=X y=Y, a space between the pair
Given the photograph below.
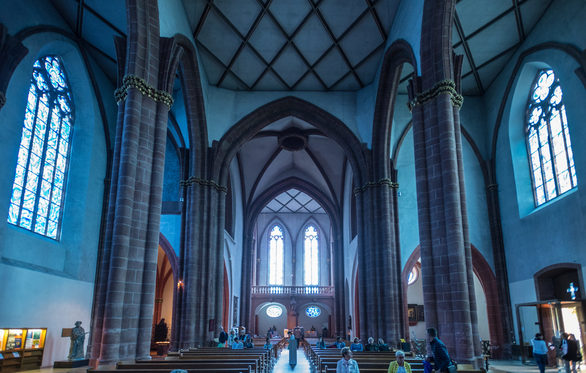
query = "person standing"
x=539 y=351
x=570 y=352
x=439 y=350
x=292 y=350
x=399 y=365
x=222 y=338
x=347 y=364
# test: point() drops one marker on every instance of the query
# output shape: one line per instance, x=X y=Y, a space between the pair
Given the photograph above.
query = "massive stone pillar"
x=11 y=53
x=201 y=308
x=124 y=299
x=381 y=311
x=446 y=259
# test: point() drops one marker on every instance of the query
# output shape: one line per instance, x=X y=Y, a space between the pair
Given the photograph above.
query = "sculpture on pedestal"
x=77 y=341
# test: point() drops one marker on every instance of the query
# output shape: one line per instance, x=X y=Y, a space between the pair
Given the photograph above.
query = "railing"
x=277 y=289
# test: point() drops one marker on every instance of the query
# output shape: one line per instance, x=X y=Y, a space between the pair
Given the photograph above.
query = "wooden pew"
x=248 y=365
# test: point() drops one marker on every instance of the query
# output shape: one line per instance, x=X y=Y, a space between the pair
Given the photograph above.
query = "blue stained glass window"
x=311 y=259
x=313 y=311
x=41 y=169
x=548 y=139
x=276 y=256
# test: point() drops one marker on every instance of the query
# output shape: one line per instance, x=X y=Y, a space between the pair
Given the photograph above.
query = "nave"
x=282 y=364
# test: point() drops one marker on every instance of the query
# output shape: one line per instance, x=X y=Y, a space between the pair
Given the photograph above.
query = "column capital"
x=445 y=86
x=206 y=183
x=375 y=184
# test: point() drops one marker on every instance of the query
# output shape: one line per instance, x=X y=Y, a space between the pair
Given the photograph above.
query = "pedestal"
x=71 y=364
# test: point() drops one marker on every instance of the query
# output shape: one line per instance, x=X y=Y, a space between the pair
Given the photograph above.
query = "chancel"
x=377 y=174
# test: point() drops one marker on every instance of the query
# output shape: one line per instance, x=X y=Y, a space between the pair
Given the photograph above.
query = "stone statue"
x=77 y=340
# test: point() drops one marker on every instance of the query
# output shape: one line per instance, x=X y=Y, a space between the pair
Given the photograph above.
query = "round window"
x=274 y=311
x=313 y=311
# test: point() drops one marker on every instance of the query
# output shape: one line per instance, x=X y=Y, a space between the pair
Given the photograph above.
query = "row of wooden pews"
x=326 y=360
x=206 y=359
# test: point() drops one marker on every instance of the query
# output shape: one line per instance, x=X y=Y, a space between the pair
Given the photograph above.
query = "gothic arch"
x=487 y=279
x=248 y=126
x=569 y=50
x=170 y=252
x=399 y=53
x=194 y=107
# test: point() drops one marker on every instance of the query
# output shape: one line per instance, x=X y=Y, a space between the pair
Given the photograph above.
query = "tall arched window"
x=548 y=139
x=41 y=169
x=311 y=261
x=276 y=256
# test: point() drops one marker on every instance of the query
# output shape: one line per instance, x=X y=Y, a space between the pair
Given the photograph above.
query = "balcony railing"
x=299 y=290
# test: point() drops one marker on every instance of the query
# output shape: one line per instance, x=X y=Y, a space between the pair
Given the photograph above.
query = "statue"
x=77 y=340
x=161 y=331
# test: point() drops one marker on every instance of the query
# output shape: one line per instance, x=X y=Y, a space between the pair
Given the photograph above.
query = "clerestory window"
x=311 y=259
x=41 y=169
x=548 y=139
x=276 y=256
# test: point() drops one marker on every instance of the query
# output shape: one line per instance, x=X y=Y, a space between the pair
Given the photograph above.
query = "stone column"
x=124 y=300
x=11 y=53
x=380 y=282
x=203 y=270
x=446 y=259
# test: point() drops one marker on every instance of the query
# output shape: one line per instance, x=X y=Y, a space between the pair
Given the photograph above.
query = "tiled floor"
x=512 y=366
x=283 y=363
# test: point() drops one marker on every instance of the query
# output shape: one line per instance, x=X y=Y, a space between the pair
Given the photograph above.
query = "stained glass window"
x=313 y=311
x=274 y=311
x=276 y=256
x=413 y=276
x=310 y=256
x=41 y=168
x=548 y=139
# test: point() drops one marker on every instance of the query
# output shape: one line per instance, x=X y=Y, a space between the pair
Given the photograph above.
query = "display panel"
x=3 y=335
x=14 y=339
x=35 y=338
x=25 y=338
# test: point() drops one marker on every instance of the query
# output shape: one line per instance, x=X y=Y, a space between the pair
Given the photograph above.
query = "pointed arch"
x=247 y=127
x=399 y=53
x=194 y=107
x=487 y=279
x=171 y=255
x=311 y=250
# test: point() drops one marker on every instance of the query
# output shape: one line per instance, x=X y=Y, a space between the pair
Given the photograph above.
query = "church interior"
x=355 y=168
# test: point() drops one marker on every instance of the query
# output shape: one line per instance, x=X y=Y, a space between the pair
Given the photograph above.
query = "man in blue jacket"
x=439 y=350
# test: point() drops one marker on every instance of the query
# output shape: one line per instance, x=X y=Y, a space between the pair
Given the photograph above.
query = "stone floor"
x=513 y=366
x=282 y=366
x=283 y=363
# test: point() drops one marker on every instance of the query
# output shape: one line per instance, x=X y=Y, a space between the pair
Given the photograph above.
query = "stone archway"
x=487 y=279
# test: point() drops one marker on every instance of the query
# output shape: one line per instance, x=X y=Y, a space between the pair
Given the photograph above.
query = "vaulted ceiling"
x=312 y=44
x=277 y=45
x=292 y=148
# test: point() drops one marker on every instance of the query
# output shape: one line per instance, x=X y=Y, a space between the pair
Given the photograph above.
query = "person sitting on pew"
x=237 y=344
x=321 y=344
x=248 y=342
x=347 y=364
x=356 y=346
x=268 y=345
x=371 y=346
x=382 y=346
x=399 y=365
x=338 y=344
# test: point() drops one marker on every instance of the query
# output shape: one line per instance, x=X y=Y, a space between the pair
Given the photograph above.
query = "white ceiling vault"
x=282 y=45
x=292 y=149
x=291 y=202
